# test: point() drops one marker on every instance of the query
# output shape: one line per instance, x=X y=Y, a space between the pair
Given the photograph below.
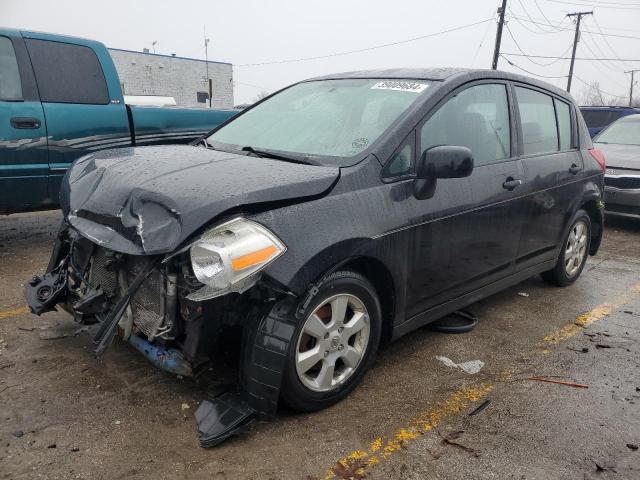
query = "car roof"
x=605 y=107
x=444 y=74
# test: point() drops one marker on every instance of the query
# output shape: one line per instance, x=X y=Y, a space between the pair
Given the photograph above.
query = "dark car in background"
x=597 y=118
x=620 y=143
x=335 y=214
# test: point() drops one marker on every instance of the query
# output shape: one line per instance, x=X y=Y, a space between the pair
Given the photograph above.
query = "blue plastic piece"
x=166 y=359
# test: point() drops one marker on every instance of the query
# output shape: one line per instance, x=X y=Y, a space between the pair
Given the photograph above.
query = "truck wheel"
x=574 y=252
x=334 y=344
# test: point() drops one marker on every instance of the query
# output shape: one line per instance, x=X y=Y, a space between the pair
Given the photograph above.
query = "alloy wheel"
x=576 y=248
x=332 y=343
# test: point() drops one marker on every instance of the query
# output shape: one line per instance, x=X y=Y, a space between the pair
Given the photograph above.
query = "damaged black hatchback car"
x=335 y=214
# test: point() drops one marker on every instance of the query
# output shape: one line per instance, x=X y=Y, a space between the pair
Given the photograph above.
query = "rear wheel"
x=574 y=253
x=334 y=344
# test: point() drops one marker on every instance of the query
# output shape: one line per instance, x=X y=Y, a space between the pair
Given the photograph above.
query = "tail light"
x=598 y=156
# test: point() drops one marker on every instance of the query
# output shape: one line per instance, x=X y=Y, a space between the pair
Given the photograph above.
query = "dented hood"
x=148 y=200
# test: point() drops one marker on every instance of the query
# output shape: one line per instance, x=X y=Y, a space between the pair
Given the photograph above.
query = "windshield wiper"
x=277 y=156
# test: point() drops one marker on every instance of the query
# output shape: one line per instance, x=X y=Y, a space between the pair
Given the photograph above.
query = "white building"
x=185 y=79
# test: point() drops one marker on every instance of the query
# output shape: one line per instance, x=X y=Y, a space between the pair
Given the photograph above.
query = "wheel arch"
x=596 y=216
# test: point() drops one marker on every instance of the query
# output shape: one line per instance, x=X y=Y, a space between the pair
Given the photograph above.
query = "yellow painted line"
x=592 y=316
x=13 y=313
x=359 y=462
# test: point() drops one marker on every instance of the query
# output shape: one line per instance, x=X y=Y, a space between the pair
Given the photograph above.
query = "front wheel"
x=334 y=343
x=574 y=253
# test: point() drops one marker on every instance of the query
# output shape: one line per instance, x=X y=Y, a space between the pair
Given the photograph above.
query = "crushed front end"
x=174 y=307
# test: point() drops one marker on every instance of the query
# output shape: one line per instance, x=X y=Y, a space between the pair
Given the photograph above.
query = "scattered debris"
x=18 y=433
x=628 y=312
x=632 y=446
x=480 y=407
x=581 y=350
x=450 y=438
x=185 y=406
x=602 y=345
x=75 y=449
x=602 y=468
x=52 y=445
x=471 y=367
x=27 y=329
x=117 y=422
x=523 y=294
x=7 y=365
x=62 y=332
x=559 y=382
x=353 y=470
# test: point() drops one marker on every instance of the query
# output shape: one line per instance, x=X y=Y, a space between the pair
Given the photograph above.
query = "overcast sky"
x=254 y=31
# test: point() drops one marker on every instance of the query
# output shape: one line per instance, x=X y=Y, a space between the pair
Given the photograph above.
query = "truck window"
x=67 y=73
x=10 y=86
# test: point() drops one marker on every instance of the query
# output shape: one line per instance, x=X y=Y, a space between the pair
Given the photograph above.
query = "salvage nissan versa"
x=338 y=213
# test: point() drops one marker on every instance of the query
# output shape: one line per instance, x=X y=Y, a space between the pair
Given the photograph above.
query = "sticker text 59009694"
x=400 y=85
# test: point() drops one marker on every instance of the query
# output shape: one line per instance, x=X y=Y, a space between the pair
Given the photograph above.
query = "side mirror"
x=445 y=161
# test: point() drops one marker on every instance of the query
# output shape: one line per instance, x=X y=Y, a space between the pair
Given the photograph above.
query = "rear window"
x=538 y=119
x=10 y=86
x=596 y=118
x=67 y=73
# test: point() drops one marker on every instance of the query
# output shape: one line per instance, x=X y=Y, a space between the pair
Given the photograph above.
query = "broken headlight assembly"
x=229 y=257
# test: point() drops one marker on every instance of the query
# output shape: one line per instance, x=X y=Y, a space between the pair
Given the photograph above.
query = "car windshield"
x=336 y=118
x=625 y=131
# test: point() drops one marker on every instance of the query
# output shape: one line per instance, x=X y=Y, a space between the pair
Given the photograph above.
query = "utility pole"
x=576 y=39
x=206 y=61
x=496 y=50
x=632 y=72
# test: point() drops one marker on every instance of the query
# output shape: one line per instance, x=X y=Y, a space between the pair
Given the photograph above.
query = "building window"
x=203 y=97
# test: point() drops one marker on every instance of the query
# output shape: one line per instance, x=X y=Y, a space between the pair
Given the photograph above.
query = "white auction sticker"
x=400 y=85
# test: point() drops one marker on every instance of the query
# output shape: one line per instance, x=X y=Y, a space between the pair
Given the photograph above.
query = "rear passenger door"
x=85 y=111
x=23 y=134
x=547 y=127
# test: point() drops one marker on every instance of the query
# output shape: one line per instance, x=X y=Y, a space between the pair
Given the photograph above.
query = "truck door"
x=84 y=108
x=23 y=137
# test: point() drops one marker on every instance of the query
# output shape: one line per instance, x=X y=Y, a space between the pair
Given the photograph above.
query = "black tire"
x=558 y=275
x=294 y=393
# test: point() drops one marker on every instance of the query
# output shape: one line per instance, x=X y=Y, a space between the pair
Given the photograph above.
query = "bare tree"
x=260 y=96
x=595 y=97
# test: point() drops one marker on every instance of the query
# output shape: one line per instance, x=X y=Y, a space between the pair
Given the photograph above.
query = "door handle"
x=25 y=123
x=575 y=169
x=511 y=183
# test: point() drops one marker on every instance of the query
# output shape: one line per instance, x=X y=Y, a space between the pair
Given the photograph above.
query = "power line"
x=570 y=29
x=366 y=49
x=590 y=86
x=615 y=54
x=527 y=71
x=577 y=58
x=557 y=59
x=545 y=17
x=589 y=4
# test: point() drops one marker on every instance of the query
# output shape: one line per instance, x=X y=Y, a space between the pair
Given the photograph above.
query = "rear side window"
x=476 y=118
x=538 y=120
x=564 y=124
x=10 y=86
x=67 y=73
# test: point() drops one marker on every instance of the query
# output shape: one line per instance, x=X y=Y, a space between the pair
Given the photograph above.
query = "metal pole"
x=206 y=61
x=496 y=50
x=576 y=39
x=632 y=72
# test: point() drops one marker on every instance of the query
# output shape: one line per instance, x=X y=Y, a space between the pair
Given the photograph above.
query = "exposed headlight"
x=229 y=257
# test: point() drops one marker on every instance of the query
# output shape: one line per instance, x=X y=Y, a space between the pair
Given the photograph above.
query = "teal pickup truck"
x=60 y=99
